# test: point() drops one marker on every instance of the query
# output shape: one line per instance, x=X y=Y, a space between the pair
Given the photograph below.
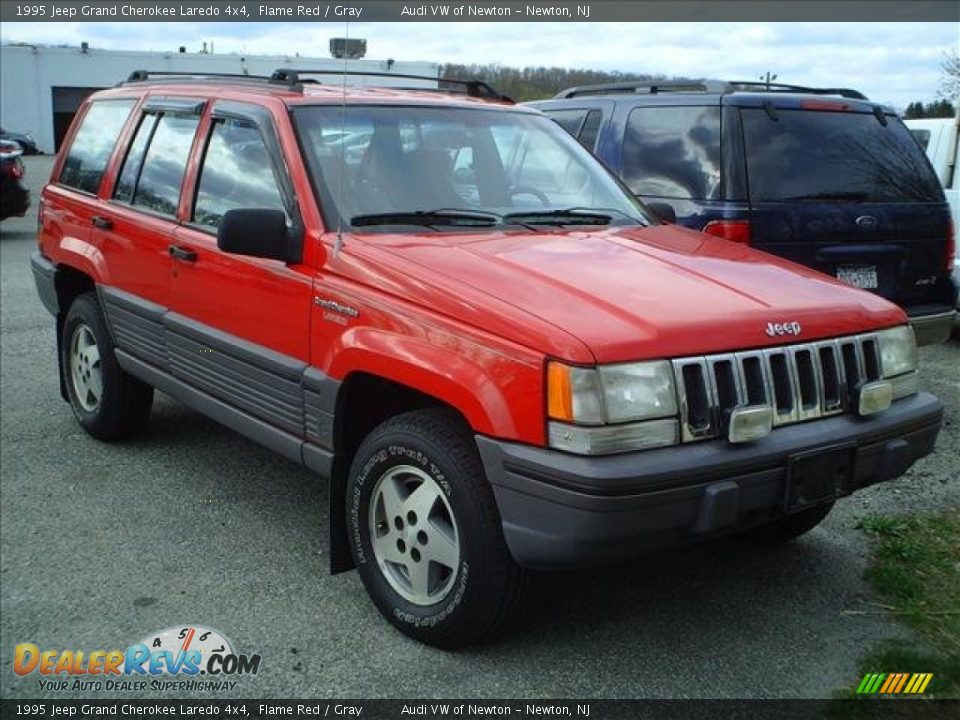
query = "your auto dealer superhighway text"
x=227 y=11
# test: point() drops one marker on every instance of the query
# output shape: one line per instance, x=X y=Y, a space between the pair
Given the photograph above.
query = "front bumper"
x=560 y=510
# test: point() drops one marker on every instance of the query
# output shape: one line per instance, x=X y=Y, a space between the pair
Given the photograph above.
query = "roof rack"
x=138 y=76
x=651 y=87
x=473 y=88
x=760 y=86
x=719 y=87
x=294 y=80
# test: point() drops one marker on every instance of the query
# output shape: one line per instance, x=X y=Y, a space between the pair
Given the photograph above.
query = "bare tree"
x=950 y=80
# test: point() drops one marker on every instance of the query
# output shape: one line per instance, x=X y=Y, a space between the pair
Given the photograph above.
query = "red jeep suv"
x=446 y=306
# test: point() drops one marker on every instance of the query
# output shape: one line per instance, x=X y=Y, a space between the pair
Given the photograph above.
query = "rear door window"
x=93 y=144
x=807 y=155
x=236 y=173
x=673 y=152
x=153 y=171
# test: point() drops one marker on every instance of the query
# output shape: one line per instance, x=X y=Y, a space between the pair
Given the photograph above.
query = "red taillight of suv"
x=13 y=169
x=737 y=231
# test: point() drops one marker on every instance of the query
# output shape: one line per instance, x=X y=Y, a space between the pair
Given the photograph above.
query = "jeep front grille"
x=800 y=382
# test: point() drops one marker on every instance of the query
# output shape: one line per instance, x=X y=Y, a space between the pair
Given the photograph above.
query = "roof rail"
x=473 y=88
x=138 y=76
x=719 y=87
x=651 y=87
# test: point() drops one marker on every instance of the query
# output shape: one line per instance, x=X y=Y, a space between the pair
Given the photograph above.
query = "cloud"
x=891 y=62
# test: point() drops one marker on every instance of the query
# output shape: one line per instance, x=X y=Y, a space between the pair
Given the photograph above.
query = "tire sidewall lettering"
x=372 y=469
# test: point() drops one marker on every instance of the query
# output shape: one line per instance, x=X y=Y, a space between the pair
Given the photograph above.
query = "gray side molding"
x=282 y=442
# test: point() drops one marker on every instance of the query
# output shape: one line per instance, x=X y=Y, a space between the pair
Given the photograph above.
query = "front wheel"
x=425 y=532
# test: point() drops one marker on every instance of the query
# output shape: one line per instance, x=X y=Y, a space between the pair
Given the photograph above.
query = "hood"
x=638 y=293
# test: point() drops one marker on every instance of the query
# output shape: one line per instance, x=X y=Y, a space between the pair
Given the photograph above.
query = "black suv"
x=821 y=176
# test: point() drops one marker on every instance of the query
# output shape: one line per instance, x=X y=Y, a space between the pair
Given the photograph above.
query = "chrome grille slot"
x=871 y=359
x=696 y=398
x=807 y=382
x=726 y=385
x=755 y=381
x=781 y=380
x=831 y=390
x=800 y=382
x=852 y=372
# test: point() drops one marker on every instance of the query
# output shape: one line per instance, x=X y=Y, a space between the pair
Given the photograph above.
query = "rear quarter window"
x=93 y=144
x=673 y=152
x=583 y=124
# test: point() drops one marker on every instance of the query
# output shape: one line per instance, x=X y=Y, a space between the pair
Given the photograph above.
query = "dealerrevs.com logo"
x=181 y=658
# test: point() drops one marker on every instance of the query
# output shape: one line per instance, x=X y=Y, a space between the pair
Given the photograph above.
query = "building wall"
x=28 y=75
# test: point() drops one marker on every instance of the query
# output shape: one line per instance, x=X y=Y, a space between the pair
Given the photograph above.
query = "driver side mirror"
x=257 y=232
x=663 y=211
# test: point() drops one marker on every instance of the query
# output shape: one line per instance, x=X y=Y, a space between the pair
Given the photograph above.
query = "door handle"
x=102 y=222
x=182 y=253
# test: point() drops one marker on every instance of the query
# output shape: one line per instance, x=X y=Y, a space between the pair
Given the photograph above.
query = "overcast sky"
x=890 y=62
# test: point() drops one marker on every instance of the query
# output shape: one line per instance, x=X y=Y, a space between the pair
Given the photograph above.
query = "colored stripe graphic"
x=894 y=683
x=903 y=680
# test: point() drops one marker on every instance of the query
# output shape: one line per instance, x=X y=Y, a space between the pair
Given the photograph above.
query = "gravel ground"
x=103 y=544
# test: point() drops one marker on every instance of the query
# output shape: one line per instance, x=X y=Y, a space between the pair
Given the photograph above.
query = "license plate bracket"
x=859 y=276
x=818 y=476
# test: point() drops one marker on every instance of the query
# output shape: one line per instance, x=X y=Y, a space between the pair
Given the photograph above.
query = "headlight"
x=898 y=351
x=607 y=398
x=898 y=360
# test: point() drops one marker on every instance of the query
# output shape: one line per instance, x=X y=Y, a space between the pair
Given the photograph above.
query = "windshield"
x=825 y=156
x=420 y=165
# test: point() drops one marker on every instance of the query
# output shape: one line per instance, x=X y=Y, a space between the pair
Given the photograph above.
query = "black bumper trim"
x=561 y=510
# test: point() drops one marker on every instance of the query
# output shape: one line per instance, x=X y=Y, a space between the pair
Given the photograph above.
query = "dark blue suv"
x=821 y=176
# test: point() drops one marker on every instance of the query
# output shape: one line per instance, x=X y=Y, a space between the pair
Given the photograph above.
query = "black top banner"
x=505 y=11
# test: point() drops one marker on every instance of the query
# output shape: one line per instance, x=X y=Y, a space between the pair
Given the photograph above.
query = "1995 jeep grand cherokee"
x=446 y=306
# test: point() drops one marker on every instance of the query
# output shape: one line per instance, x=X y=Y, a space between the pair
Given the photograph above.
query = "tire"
x=788 y=527
x=464 y=585
x=109 y=404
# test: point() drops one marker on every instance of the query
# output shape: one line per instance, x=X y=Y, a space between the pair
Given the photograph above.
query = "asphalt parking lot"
x=193 y=524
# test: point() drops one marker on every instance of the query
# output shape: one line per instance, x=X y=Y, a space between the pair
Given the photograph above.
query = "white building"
x=42 y=87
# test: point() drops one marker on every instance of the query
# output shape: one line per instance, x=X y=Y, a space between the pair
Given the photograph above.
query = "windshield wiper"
x=427 y=218
x=845 y=195
x=570 y=216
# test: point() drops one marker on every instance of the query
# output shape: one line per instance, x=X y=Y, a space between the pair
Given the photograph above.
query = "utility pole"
x=767 y=78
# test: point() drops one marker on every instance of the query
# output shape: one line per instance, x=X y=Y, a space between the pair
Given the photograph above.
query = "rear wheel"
x=426 y=535
x=108 y=403
x=789 y=527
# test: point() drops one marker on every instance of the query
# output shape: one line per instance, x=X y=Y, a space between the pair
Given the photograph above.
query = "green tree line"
x=537 y=83
x=935 y=109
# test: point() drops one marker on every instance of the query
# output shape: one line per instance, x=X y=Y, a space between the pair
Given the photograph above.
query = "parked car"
x=14 y=194
x=820 y=176
x=24 y=140
x=496 y=356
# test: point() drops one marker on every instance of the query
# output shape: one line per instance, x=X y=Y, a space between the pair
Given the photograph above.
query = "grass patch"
x=915 y=573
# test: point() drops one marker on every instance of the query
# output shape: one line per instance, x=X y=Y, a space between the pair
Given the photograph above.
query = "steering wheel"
x=524 y=190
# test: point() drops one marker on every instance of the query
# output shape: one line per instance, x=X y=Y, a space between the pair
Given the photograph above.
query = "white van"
x=938 y=137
